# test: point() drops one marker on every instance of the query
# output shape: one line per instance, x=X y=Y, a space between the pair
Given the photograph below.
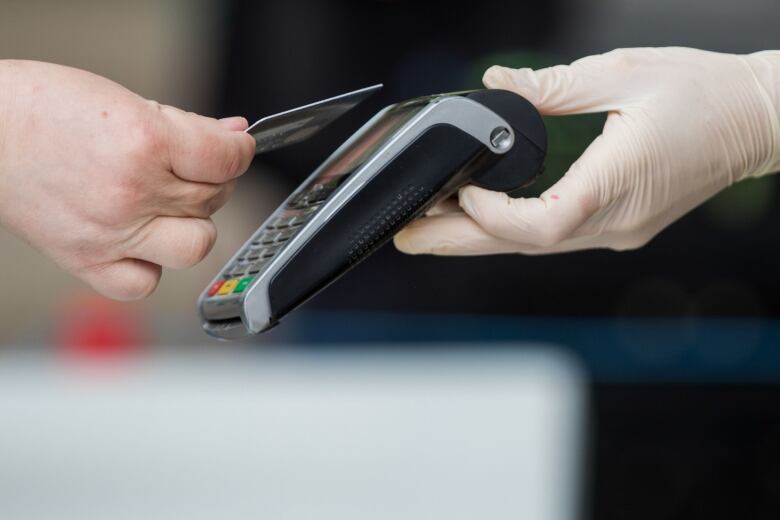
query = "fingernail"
x=236 y=123
x=463 y=198
x=402 y=243
x=494 y=77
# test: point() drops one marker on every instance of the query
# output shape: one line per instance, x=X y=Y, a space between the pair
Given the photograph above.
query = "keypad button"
x=307 y=208
x=257 y=241
x=259 y=263
x=300 y=201
x=308 y=212
x=238 y=269
x=257 y=266
x=249 y=251
x=318 y=193
x=215 y=287
x=299 y=220
x=316 y=197
x=228 y=287
x=284 y=236
x=268 y=238
x=243 y=284
x=281 y=223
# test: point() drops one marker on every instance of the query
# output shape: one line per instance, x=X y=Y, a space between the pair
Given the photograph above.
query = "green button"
x=243 y=284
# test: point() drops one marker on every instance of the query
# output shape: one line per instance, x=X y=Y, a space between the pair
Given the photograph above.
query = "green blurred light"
x=567 y=139
x=742 y=205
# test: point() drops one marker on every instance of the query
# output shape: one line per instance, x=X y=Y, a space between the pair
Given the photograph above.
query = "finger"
x=127 y=279
x=558 y=212
x=449 y=234
x=235 y=123
x=459 y=235
x=174 y=242
x=448 y=205
x=540 y=222
x=204 y=150
x=193 y=199
x=591 y=84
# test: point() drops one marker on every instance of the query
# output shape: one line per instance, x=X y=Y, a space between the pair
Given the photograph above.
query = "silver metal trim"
x=451 y=109
x=461 y=112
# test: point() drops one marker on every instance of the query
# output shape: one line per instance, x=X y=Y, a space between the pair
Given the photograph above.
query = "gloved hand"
x=682 y=125
x=109 y=185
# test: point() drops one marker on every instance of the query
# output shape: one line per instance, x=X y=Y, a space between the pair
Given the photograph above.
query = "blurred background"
x=678 y=339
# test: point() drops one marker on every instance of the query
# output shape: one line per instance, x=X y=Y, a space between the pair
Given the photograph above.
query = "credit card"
x=296 y=125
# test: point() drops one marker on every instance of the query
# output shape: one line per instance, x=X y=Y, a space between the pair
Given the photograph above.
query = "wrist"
x=765 y=67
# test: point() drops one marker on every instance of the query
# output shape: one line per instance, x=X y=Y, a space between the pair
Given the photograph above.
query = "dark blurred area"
x=718 y=261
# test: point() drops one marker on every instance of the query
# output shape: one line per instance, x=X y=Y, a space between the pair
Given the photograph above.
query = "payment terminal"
x=402 y=161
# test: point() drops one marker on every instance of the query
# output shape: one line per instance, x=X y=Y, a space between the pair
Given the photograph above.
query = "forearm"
x=6 y=93
x=766 y=68
x=11 y=101
x=6 y=96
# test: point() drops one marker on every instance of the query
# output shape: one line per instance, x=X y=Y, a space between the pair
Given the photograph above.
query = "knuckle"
x=144 y=141
x=119 y=202
x=131 y=284
x=620 y=58
x=141 y=286
x=491 y=219
x=199 y=244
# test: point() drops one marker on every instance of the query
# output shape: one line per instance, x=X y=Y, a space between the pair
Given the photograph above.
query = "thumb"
x=591 y=84
x=539 y=222
x=202 y=149
x=235 y=123
x=558 y=212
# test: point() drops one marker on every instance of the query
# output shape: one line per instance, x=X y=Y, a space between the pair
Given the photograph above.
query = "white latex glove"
x=109 y=185
x=683 y=124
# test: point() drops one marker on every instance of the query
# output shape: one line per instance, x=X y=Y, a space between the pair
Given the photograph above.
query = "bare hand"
x=109 y=185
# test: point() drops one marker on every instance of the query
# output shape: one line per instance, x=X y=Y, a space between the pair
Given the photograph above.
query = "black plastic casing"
x=431 y=167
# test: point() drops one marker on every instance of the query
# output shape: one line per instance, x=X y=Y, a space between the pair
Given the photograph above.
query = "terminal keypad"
x=268 y=241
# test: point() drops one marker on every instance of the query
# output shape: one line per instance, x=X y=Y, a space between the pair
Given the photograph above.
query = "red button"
x=215 y=287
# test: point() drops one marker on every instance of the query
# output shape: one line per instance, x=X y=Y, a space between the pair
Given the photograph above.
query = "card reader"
x=402 y=161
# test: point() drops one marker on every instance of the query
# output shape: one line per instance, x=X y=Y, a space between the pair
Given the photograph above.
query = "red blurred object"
x=90 y=327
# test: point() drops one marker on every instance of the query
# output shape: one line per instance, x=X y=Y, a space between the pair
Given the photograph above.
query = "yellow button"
x=228 y=287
